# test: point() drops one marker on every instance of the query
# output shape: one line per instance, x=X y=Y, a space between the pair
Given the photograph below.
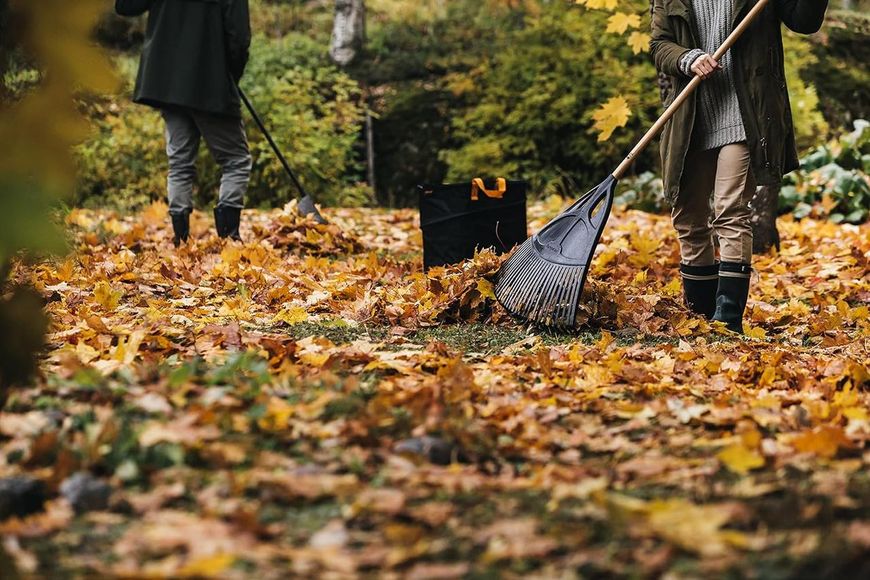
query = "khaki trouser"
x=723 y=174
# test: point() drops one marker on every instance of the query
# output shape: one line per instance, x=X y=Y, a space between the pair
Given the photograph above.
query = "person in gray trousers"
x=194 y=55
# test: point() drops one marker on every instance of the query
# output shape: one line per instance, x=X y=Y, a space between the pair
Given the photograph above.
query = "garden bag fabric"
x=458 y=219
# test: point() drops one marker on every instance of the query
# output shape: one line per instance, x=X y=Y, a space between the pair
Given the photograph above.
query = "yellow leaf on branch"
x=639 y=42
x=612 y=114
x=598 y=4
x=619 y=22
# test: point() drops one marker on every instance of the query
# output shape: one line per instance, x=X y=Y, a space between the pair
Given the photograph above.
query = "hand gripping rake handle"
x=686 y=92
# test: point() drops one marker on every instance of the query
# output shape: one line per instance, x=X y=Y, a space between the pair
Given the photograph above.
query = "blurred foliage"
x=458 y=89
x=809 y=123
x=834 y=180
x=532 y=105
x=502 y=87
x=842 y=75
x=312 y=109
x=497 y=88
x=39 y=123
x=645 y=192
x=117 y=32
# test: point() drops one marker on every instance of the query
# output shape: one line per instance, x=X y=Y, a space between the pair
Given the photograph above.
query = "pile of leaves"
x=311 y=402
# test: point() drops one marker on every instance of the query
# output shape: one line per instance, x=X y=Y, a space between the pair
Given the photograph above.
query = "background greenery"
x=458 y=89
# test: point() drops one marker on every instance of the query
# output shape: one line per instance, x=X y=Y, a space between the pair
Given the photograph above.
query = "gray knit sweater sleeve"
x=688 y=59
x=718 y=119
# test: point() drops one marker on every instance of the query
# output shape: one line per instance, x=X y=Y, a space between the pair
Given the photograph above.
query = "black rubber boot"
x=732 y=294
x=700 y=284
x=180 y=227
x=226 y=221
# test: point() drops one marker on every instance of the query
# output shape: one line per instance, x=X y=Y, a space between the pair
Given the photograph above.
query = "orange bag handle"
x=477 y=186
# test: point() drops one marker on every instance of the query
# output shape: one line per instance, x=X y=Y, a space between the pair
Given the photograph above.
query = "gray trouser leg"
x=225 y=137
x=182 y=146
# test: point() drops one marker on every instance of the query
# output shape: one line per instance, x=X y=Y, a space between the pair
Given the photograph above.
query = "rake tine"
x=538 y=294
x=577 y=295
x=514 y=267
x=555 y=295
x=565 y=298
x=574 y=299
x=527 y=288
x=518 y=267
x=544 y=303
x=564 y=294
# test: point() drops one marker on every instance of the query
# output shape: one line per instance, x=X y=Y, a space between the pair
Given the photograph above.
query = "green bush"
x=645 y=192
x=809 y=124
x=312 y=109
x=833 y=180
x=842 y=77
x=530 y=105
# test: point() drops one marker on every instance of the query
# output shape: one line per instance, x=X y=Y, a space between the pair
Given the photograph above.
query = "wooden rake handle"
x=686 y=92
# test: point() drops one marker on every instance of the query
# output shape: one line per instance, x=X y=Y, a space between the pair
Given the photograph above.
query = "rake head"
x=306 y=207
x=543 y=281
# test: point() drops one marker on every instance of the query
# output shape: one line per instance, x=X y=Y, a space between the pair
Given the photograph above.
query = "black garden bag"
x=458 y=219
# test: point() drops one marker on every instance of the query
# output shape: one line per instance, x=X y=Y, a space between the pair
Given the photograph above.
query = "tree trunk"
x=764 y=206
x=348 y=31
x=348 y=39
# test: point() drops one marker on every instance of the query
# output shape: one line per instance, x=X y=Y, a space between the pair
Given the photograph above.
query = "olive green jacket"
x=759 y=78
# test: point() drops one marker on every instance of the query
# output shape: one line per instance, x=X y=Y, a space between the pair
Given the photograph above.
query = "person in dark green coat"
x=195 y=53
x=734 y=133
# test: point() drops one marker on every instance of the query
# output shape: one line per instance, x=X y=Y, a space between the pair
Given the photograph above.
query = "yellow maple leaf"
x=619 y=22
x=673 y=288
x=598 y=4
x=277 y=415
x=756 y=332
x=639 y=42
x=291 y=316
x=859 y=414
x=105 y=296
x=740 y=459
x=208 y=567
x=859 y=313
x=486 y=288
x=696 y=528
x=612 y=114
x=823 y=441
x=645 y=248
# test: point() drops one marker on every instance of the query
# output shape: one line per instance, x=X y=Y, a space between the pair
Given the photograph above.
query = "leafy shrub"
x=809 y=124
x=842 y=77
x=833 y=180
x=415 y=53
x=311 y=108
x=118 y=32
x=645 y=192
x=124 y=164
x=531 y=104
